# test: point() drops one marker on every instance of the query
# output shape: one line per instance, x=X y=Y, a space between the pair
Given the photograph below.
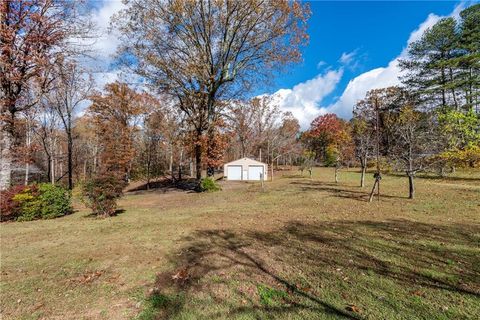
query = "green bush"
x=331 y=156
x=29 y=203
x=56 y=201
x=101 y=193
x=209 y=185
x=43 y=201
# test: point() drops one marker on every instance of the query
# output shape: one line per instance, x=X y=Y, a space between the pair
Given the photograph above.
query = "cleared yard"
x=301 y=249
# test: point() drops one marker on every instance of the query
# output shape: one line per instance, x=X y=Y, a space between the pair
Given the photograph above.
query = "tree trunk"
x=411 y=187
x=27 y=144
x=362 y=178
x=70 y=159
x=85 y=170
x=148 y=172
x=49 y=168
x=453 y=91
x=198 y=161
x=95 y=159
x=27 y=172
x=52 y=179
x=6 y=146
x=336 y=174
x=180 y=163
x=211 y=152
x=170 y=163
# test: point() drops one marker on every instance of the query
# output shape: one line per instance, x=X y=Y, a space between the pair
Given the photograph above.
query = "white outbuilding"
x=245 y=169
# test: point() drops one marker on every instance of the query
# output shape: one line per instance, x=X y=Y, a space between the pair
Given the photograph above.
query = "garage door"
x=234 y=172
x=255 y=172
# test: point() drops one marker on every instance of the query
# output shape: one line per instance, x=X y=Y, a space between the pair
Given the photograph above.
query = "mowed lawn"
x=300 y=249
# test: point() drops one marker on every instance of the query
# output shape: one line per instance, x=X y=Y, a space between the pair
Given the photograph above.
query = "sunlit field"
x=299 y=249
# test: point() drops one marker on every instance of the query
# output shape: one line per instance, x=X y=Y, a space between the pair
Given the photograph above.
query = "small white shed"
x=245 y=169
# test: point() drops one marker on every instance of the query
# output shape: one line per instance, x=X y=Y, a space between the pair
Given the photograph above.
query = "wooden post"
x=262 y=178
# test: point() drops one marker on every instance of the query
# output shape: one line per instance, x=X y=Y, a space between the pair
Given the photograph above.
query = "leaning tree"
x=201 y=52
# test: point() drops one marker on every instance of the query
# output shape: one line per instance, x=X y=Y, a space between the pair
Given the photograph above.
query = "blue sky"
x=375 y=32
x=354 y=47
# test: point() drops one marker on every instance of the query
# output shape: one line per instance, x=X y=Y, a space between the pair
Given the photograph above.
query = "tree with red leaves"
x=330 y=138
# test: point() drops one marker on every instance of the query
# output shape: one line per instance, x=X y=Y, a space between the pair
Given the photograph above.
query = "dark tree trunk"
x=411 y=186
x=70 y=159
x=198 y=161
x=148 y=173
x=211 y=152
x=180 y=163
x=49 y=168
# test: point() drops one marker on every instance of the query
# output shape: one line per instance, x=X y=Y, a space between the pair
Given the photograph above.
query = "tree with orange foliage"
x=330 y=138
x=115 y=114
x=215 y=146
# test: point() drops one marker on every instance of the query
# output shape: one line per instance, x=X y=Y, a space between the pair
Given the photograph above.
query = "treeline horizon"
x=197 y=58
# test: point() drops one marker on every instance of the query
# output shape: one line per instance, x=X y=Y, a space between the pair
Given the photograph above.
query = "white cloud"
x=303 y=99
x=108 y=40
x=103 y=48
x=347 y=57
x=320 y=64
x=358 y=87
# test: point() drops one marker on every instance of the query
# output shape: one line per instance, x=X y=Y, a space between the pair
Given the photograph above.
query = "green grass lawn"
x=300 y=249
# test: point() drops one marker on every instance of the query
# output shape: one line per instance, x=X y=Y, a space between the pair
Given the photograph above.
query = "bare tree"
x=46 y=133
x=363 y=127
x=412 y=144
x=73 y=86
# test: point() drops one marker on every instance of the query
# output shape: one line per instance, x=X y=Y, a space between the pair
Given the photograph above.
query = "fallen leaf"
x=353 y=308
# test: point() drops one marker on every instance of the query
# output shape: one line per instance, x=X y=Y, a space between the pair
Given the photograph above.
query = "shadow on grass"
x=95 y=216
x=219 y=263
x=165 y=185
x=337 y=190
x=427 y=176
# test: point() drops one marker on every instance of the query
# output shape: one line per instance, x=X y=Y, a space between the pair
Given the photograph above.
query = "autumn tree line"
x=431 y=122
x=199 y=62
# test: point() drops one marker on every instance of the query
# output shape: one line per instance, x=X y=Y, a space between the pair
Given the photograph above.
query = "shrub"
x=43 y=201
x=209 y=185
x=56 y=201
x=101 y=193
x=10 y=209
x=29 y=203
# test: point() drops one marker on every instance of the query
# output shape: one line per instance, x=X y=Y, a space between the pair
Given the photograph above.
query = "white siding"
x=245 y=169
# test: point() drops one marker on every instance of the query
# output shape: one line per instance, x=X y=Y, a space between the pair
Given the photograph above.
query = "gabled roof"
x=241 y=160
